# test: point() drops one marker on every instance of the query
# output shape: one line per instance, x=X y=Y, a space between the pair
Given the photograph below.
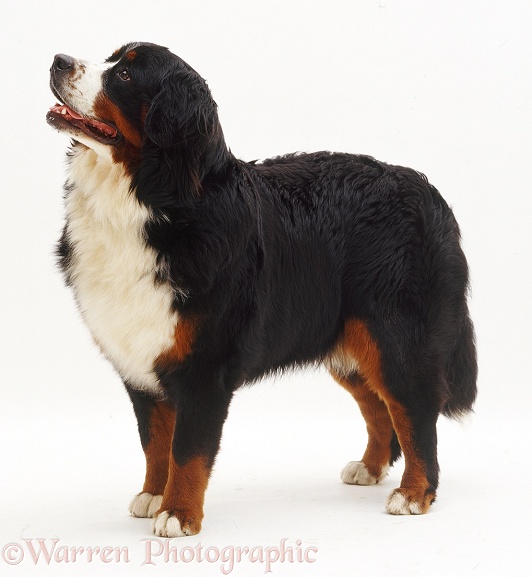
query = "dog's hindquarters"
x=409 y=354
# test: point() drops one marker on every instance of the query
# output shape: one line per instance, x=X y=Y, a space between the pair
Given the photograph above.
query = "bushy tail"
x=461 y=373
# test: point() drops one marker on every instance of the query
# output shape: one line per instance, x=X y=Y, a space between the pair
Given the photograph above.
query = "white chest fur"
x=112 y=269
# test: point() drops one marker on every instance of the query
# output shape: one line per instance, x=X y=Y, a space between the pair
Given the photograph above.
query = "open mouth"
x=61 y=116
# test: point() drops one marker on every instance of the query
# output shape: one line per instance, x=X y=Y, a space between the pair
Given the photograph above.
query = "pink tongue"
x=74 y=114
x=61 y=108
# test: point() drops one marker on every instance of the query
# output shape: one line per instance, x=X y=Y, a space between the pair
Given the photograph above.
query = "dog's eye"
x=124 y=75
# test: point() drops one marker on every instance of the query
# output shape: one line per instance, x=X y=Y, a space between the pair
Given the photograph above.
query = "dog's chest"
x=112 y=272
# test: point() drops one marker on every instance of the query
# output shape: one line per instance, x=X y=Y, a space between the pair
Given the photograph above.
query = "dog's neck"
x=99 y=187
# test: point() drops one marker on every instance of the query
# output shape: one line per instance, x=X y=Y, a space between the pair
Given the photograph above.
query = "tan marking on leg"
x=185 y=493
x=378 y=424
x=358 y=342
x=162 y=420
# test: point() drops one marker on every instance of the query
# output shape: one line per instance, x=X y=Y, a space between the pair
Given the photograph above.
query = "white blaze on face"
x=80 y=91
x=84 y=86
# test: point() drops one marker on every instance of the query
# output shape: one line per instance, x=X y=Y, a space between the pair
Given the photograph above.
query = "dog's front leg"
x=201 y=409
x=156 y=420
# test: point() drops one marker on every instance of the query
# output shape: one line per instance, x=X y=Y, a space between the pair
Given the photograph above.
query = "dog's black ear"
x=183 y=140
x=182 y=109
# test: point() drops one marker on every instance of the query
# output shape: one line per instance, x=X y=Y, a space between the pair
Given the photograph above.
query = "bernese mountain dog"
x=197 y=273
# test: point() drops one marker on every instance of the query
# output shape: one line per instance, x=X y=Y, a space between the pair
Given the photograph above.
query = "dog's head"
x=142 y=104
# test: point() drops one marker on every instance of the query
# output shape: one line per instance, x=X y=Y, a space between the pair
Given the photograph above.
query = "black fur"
x=142 y=405
x=277 y=256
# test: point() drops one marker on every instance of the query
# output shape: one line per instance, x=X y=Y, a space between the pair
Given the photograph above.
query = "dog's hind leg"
x=413 y=407
x=383 y=448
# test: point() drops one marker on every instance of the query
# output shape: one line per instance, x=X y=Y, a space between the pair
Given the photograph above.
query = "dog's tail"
x=461 y=373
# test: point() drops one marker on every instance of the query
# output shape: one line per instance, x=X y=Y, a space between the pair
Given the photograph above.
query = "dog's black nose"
x=62 y=62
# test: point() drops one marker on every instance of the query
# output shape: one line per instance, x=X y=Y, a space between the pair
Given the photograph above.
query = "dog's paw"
x=356 y=473
x=145 y=505
x=166 y=524
x=406 y=502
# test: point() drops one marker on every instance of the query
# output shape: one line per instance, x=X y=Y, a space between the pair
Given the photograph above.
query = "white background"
x=444 y=87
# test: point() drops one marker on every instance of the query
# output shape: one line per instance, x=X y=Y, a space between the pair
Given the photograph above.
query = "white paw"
x=166 y=525
x=399 y=504
x=145 y=505
x=355 y=473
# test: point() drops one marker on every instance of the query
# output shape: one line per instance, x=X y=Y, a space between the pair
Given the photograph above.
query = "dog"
x=197 y=272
